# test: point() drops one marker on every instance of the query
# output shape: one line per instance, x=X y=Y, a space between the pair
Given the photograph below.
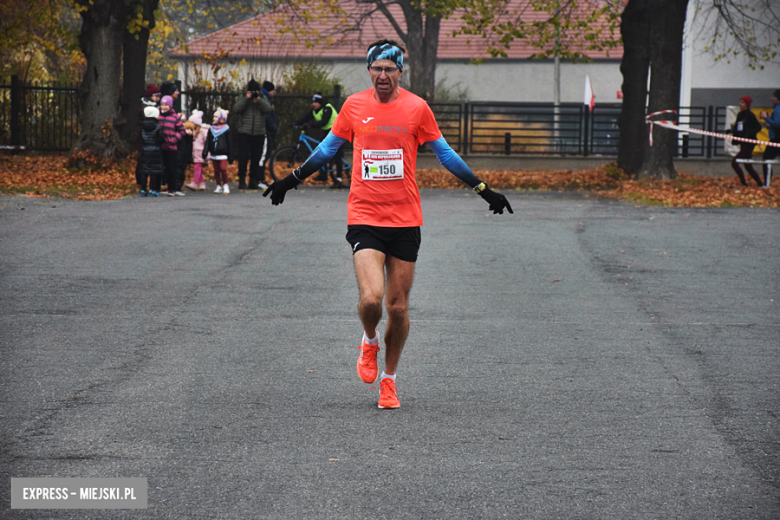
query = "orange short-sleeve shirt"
x=385 y=138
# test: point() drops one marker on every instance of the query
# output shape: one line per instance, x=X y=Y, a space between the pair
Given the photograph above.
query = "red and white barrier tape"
x=671 y=125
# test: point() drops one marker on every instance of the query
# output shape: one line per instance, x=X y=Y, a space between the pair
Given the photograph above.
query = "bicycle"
x=288 y=158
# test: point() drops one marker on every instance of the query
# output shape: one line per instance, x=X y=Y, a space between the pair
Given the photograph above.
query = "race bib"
x=383 y=165
x=739 y=126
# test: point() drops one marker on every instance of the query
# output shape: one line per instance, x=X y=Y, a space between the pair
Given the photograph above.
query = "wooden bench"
x=768 y=164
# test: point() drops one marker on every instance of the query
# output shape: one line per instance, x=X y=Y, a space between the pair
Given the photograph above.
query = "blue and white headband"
x=386 y=51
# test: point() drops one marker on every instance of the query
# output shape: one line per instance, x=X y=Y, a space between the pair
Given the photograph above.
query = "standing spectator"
x=321 y=118
x=173 y=130
x=169 y=88
x=185 y=152
x=220 y=145
x=152 y=96
x=150 y=99
x=773 y=124
x=748 y=127
x=150 y=161
x=251 y=110
x=271 y=128
x=198 y=143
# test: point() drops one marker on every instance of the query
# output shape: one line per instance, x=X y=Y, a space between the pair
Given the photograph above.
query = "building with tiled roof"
x=264 y=46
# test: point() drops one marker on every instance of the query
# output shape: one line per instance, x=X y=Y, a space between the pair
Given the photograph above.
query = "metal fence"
x=46 y=118
x=38 y=117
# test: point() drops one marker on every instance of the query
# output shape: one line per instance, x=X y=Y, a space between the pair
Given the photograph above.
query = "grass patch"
x=639 y=198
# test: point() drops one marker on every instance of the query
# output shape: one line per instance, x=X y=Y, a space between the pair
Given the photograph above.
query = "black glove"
x=496 y=201
x=279 y=188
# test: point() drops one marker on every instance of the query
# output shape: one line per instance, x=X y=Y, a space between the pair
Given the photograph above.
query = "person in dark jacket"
x=173 y=130
x=321 y=119
x=169 y=88
x=219 y=144
x=748 y=127
x=150 y=161
x=185 y=153
x=151 y=98
x=271 y=128
x=772 y=123
x=251 y=110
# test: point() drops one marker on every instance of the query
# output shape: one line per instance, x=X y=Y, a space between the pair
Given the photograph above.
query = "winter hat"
x=168 y=88
x=167 y=100
x=222 y=115
x=317 y=98
x=197 y=117
x=747 y=99
x=151 y=90
x=151 y=112
x=253 y=85
x=267 y=85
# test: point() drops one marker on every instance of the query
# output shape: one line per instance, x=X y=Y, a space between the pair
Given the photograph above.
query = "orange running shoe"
x=366 y=364
x=388 y=397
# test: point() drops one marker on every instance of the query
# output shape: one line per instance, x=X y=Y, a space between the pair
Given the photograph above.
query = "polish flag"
x=590 y=100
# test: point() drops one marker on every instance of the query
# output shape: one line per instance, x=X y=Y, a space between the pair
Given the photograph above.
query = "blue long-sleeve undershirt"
x=448 y=157
x=321 y=155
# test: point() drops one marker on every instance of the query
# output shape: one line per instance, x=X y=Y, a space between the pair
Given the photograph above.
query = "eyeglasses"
x=386 y=70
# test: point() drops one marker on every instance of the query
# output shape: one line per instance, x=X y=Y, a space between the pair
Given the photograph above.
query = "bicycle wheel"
x=284 y=161
x=347 y=172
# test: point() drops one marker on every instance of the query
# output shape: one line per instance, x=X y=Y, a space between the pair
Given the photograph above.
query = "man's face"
x=384 y=82
x=175 y=94
x=315 y=105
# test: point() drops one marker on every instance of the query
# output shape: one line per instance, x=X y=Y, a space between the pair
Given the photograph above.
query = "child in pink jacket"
x=198 y=142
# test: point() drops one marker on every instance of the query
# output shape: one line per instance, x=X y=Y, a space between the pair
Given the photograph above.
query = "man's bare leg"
x=370 y=272
x=399 y=283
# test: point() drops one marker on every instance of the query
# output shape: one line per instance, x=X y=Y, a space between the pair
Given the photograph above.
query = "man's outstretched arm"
x=455 y=165
x=318 y=158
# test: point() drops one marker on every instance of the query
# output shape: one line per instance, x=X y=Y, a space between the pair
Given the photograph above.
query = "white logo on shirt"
x=367 y=120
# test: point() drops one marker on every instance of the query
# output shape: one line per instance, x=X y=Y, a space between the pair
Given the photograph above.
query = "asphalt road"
x=582 y=358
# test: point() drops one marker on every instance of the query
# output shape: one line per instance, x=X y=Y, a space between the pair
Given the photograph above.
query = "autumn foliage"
x=89 y=178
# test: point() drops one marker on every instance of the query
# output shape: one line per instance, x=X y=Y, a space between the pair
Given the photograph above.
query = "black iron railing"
x=37 y=116
x=46 y=118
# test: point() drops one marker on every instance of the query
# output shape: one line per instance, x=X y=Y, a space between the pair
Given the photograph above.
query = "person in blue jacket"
x=772 y=122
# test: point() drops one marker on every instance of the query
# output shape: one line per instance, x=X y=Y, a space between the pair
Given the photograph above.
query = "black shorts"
x=402 y=243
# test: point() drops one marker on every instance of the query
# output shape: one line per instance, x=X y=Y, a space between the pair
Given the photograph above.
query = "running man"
x=386 y=125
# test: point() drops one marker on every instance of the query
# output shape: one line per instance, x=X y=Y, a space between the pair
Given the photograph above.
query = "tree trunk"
x=422 y=45
x=652 y=40
x=101 y=41
x=635 y=31
x=666 y=44
x=429 y=57
x=134 y=52
x=133 y=83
